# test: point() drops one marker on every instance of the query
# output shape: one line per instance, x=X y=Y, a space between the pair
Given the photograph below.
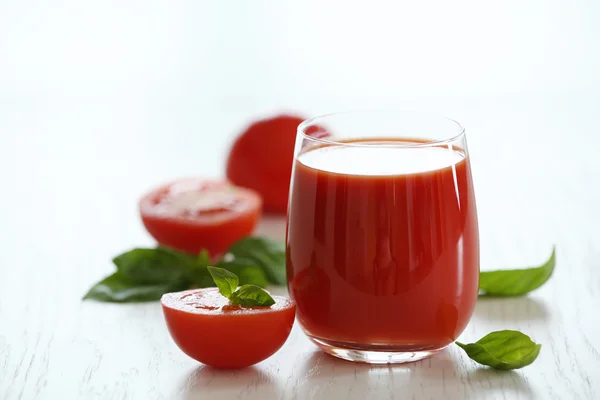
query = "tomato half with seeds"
x=195 y=214
x=210 y=330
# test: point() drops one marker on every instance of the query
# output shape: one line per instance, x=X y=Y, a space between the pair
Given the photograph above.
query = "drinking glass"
x=382 y=237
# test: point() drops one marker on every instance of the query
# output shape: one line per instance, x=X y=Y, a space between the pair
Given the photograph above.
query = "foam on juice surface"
x=374 y=160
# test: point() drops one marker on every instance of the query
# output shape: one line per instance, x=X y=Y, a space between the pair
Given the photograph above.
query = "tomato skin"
x=215 y=232
x=261 y=159
x=216 y=239
x=225 y=339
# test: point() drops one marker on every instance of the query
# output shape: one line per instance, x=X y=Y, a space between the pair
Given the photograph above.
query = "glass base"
x=373 y=356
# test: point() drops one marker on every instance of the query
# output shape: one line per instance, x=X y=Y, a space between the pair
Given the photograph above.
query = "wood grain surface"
x=92 y=117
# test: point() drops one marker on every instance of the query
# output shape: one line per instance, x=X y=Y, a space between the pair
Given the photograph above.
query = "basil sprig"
x=245 y=296
x=516 y=282
x=503 y=350
x=146 y=274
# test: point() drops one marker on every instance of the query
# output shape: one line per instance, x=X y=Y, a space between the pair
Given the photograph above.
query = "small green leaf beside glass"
x=504 y=350
x=516 y=282
x=245 y=296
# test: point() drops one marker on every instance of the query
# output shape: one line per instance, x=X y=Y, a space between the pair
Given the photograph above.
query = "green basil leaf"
x=118 y=288
x=226 y=281
x=150 y=266
x=246 y=270
x=184 y=258
x=516 y=282
x=251 y=276
x=503 y=350
x=265 y=253
x=199 y=277
x=204 y=258
x=197 y=274
x=250 y=296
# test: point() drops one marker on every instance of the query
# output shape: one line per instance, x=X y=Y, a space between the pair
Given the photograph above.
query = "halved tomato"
x=195 y=214
x=210 y=330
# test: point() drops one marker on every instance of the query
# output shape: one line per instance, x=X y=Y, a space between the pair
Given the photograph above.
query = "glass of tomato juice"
x=382 y=237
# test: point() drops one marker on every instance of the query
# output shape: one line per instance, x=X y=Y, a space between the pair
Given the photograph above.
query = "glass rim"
x=313 y=121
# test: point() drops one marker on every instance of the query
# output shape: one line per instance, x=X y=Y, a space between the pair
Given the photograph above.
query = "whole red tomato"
x=261 y=159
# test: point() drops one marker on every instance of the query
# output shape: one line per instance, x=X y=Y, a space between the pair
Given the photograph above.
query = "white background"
x=100 y=101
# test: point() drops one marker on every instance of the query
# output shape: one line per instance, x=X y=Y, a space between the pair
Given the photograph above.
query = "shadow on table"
x=207 y=382
x=511 y=309
x=441 y=376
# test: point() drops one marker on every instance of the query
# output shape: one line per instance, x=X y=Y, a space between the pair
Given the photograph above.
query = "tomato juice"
x=382 y=244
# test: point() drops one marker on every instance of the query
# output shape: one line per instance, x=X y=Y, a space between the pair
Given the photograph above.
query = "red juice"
x=382 y=244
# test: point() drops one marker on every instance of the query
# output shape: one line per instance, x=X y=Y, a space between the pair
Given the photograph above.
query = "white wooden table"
x=99 y=103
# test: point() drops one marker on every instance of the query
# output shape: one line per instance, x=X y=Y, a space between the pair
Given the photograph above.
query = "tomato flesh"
x=210 y=330
x=195 y=214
